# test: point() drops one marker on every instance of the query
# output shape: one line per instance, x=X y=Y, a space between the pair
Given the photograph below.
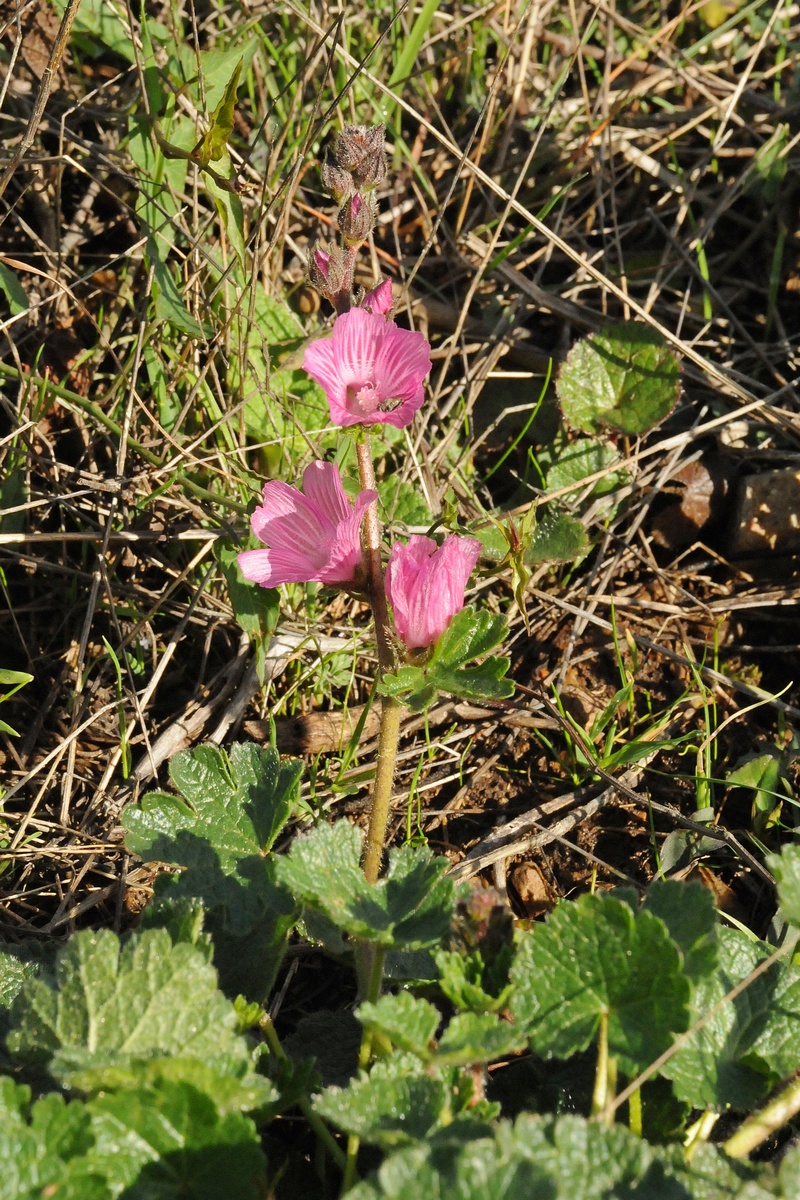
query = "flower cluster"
x=372 y=372
x=312 y=536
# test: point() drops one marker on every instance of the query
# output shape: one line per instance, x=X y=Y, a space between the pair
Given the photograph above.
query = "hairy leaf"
x=624 y=377
x=470 y=635
x=43 y=1148
x=786 y=869
x=111 y=1004
x=745 y=1045
x=595 y=956
x=408 y=1022
x=410 y=907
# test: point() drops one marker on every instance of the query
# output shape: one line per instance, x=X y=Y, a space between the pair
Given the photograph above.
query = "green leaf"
x=172 y=1142
x=213 y=144
x=410 y=907
x=113 y=1004
x=764 y=775
x=571 y=462
x=538 y=1157
x=556 y=538
x=402 y=502
x=749 y=1044
x=256 y=608
x=332 y=1039
x=221 y=829
x=461 y=978
x=231 y=811
x=478 y=1038
x=470 y=635
x=624 y=377
x=409 y=1023
x=168 y=303
x=229 y=1092
x=687 y=910
x=595 y=956
x=15 y=293
x=43 y=1148
x=398 y=1102
x=786 y=869
x=230 y=210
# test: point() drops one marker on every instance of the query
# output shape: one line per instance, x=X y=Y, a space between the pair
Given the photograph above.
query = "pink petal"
x=346 y=554
x=322 y=486
x=426 y=584
x=379 y=300
x=287 y=520
x=321 y=362
x=402 y=363
x=357 y=338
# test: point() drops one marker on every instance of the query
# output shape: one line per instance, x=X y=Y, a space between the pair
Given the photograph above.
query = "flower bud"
x=336 y=181
x=359 y=149
x=379 y=300
x=356 y=219
x=326 y=270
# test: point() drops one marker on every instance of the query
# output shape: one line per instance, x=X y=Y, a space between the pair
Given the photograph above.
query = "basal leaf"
x=172 y=1142
x=786 y=869
x=557 y=538
x=229 y=813
x=624 y=377
x=462 y=977
x=750 y=1043
x=410 y=907
x=43 y=1148
x=595 y=956
x=478 y=1038
x=687 y=910
x=112 y=1003
x=407 y=1021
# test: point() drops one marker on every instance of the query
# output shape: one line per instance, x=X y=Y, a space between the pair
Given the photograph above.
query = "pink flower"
x=379 y=300
x=425 y=584
x=312 y=536
x=371 y=370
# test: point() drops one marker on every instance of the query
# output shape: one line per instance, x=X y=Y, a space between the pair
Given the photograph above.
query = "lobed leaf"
x=624 y=377
x=593 y=957
x=410 y=907
x=470 y=635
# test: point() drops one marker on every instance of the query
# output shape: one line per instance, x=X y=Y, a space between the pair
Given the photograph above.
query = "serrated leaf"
x=43 y=1148
x=572 y=462
x=410 y=907
x=470 y=635
x=408 y=1022
x=461 y=976
x=750 y=1043
x=543 y=1157
x=624 y=377
x=113 y=1004
x=687 y=910
x=478 y=1038
x=331 y=1038
x=402 y=502
x=172 y=1142
x=213 y=144
x=786 y=869
x=557 y=538
x=229 y=814
x=595 y=956
x=398 y=1102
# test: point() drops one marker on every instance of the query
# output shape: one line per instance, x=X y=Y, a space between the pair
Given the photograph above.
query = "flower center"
x=364 y=400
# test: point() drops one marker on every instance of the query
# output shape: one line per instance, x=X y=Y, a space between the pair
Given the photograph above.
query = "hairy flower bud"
x=359 y=149
x=326 y=270
x=336 y=181
x=356 y=219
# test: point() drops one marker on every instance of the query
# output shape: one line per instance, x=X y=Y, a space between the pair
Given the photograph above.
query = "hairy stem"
x=761 y=1125
x=391 y=711
x=606 y=1074
x=372 y=553
x=391 y=714
x=364 y=1056
x=323 y=1134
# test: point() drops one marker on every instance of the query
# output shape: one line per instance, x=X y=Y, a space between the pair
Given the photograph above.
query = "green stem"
x=364 y=1056
x=321 y=1130
x=391 y=715
x=635 y=1112
x=699 y=1132
x=606 y=1070
x=761 y=1125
